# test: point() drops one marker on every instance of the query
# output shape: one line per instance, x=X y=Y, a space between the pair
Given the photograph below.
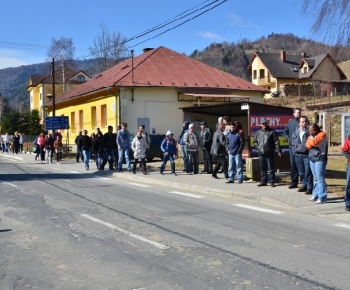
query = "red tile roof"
x=162 y=67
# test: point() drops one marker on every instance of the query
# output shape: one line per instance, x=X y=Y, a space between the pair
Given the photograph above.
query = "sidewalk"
x=203 y=184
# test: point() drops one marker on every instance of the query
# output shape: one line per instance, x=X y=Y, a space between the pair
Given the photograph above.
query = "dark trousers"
x=347 y=186
x=221 y=162
x=142 y=164
x=109 y=152
x=79 y=154
x=267 y=166
x=42 y=153
x=208 y=161
x=293 y=168
x=304 y=170
x=59 y=156
x=193 y=161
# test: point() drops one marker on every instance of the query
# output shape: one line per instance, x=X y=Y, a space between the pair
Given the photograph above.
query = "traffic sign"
x=54 y=123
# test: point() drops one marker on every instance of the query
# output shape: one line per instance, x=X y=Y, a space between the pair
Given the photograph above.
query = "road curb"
x=202 y=189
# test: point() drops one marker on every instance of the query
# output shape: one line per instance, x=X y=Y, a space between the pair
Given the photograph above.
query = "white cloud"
x=211 y=36
x=15 y=58
x=238 y=21
x=6 y=62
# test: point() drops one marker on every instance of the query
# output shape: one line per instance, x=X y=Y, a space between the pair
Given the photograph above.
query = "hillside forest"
x=232 y=58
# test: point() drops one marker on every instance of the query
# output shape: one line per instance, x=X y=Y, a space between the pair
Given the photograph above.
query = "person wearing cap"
x=291 y=127
x=169 y=150
x=235 y=145
x=266 y=142
x=191 y=140
x=183 y=145
x=206 y=142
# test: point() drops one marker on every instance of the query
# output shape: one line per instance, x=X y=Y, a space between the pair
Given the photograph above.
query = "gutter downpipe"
x=117 y=117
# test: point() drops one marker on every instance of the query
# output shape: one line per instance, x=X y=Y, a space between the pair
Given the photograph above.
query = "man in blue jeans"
x=235 y=145
x=301 y=154
x=123 y=142
x=266 y=142
x=346 y=152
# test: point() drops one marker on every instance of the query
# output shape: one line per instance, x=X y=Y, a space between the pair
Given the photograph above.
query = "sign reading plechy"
x=276 y=122
x=55 y=123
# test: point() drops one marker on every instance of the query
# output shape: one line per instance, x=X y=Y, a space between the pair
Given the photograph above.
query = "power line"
x=172 y=20
x=182 y=23
x=166 y=23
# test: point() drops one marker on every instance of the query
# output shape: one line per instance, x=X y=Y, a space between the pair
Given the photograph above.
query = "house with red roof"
x=149 y=89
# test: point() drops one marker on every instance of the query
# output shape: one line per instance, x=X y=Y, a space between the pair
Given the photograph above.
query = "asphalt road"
x=64 y=229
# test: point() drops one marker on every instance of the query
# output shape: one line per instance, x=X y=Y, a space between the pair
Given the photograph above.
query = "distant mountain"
x=233 y=58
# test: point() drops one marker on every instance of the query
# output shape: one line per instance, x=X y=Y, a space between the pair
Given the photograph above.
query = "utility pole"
x=53 y=88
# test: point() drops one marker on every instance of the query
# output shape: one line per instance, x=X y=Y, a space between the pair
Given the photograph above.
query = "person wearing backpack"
x=169 y=149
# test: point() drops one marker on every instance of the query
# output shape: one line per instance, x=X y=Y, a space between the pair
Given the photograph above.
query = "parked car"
x=154 y=150
x=275 y=94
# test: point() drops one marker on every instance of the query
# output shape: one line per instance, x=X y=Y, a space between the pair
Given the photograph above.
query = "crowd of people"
x=12 y=143
x=308 y=151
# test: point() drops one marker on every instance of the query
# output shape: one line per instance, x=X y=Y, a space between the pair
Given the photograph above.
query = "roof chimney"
x=283 y=55
x=303 y=54
x=147 y=49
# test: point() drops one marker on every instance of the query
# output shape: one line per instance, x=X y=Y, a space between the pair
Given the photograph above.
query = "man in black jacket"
x=78 y=143
x=266 y=142
x=206 y=142
x=218 y=148
x=86 y=146
x=110 y=145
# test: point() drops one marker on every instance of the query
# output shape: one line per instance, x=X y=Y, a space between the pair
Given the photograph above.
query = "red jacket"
x=346 y=148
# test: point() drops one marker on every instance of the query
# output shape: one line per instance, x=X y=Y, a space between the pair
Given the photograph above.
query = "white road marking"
x=74 y=171
x=137 y=184
x=186 y=194
x=160 y=246
x=343 y=226
x=258 y=208
x=10 y=184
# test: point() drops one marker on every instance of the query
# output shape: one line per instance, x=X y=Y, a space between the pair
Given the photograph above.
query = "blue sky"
x=28 y=26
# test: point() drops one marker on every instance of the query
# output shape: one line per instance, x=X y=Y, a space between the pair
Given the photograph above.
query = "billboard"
x=277 y=123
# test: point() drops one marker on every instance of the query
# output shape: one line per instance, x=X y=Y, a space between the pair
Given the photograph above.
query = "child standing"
x=139 y=146
x=169 y=149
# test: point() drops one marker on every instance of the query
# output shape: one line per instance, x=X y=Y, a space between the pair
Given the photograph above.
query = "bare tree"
x=108 y=48
x=62 y=50
x=331 y=22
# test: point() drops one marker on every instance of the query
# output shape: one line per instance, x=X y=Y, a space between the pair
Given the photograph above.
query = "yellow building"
x=149 y=89
x=40 y=86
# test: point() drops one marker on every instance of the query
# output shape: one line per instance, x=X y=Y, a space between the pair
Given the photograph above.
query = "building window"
x=93 y=117
x=40 y=97
x=305 y=70
x=72 y=120
x=81 y=78
x=254 y=74
x=103 y=116
x=81 y=120
x=261 y=73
